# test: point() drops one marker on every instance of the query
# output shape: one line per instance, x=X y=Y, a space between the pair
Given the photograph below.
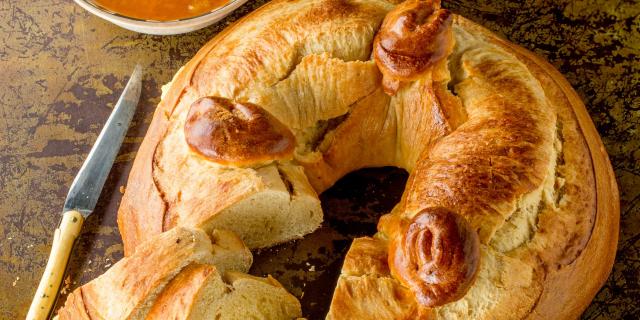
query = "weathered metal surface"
x=61 y=71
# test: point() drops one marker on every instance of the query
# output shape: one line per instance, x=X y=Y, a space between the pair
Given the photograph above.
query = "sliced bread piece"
x=185 y=296
x=129 y=288
x=252 y=297
x=199 y=292
x=285 y=208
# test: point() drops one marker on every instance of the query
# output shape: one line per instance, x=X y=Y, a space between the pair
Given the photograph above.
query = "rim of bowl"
x=99 y=10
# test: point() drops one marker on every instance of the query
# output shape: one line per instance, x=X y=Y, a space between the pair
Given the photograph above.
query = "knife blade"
x=87 y=185
x=83 y=195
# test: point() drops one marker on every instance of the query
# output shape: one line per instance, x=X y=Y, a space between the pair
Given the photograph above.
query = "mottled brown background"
x=61 y=70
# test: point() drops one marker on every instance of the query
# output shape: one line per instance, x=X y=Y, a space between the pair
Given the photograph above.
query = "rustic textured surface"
x=63 y=69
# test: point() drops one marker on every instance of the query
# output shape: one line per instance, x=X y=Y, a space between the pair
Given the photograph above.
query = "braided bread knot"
x=436 y=255
x=413 y=37
x=238 y=134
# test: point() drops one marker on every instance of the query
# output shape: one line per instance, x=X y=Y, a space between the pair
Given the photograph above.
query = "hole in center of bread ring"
x=237 y=134
x=436 y=255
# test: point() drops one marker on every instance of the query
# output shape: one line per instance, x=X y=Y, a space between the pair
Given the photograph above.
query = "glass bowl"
x=162 y=27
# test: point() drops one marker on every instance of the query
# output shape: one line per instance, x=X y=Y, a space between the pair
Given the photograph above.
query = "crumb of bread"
x=121 y=189
x=66 y=285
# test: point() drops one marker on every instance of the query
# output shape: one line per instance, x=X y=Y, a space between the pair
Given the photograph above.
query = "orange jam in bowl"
x=160 y=10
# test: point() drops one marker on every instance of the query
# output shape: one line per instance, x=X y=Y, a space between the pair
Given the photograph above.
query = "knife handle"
x=63 y=240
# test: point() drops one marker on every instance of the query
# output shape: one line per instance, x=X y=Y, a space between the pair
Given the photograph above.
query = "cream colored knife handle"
x=63 y=240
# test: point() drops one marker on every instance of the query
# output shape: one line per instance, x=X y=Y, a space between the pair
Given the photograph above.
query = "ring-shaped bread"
x=500 y=216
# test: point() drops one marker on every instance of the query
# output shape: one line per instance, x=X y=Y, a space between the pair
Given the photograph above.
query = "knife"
x=83 y=195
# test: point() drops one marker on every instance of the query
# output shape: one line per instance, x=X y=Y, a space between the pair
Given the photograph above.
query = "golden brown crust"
x=173 y=276
x=141 y=212
x=237 y=134
x=436 y=254
x=365 y=290
x=363 y=298
x=508 y=145
x=569 y=289
x=227 y=67
x=369 y=120
x=133 y=283
x=481 y=181
x=538 y=276
x=74 y=308
x=413 y=37
x=366 y=256
x=177 y=299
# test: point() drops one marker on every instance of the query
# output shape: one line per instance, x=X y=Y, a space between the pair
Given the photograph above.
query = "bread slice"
x=285 y=208
x=129 y=288
x=199 y=292
x=184 y=296
x=255 y=298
